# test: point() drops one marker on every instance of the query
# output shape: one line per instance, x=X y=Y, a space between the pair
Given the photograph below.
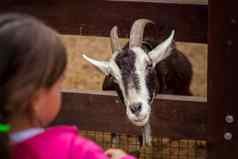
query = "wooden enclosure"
x=173 y=116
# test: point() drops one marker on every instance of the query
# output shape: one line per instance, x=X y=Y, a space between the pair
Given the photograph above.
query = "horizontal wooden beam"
x=97 y=17
x=172 y=116
x=198 y=2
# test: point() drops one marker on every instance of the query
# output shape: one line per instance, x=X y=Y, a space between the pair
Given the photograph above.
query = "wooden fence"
x=102 y=111
x=173 y=116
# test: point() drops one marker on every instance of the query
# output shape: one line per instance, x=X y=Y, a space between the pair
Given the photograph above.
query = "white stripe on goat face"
x=140 y=70
x=132 y=83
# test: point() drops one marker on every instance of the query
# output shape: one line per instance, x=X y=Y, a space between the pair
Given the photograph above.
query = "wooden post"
x=222 y=80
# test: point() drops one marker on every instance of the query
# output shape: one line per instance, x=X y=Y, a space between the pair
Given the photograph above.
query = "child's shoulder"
x=56 y=142
x=64 y=134
x=79 y=146
x=62 y=129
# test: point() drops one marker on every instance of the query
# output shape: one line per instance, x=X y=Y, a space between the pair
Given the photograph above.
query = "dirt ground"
x=83 y=76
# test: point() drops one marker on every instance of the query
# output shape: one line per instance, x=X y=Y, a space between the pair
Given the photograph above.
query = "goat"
x=142 y=69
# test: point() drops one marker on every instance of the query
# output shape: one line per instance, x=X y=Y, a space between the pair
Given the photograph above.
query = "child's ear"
x=37 y=102
x=36 y=97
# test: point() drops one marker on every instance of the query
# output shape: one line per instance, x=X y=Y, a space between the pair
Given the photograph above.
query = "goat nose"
x=136 y=108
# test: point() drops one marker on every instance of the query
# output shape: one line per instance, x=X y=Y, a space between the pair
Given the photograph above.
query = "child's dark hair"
x=32 y=56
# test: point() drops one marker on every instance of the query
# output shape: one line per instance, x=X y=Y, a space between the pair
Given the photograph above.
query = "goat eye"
x=149 y=66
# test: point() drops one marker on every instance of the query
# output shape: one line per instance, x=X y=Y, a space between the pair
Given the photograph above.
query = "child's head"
x=32 y=62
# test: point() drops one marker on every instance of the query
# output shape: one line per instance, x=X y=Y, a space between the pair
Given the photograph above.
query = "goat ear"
x=102 y=66
x=163 y=50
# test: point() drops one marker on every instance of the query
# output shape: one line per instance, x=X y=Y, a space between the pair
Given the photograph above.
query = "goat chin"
x=142 y=123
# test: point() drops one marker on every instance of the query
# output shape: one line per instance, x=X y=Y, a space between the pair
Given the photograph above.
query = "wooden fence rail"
x=172 y=116
x=97 y=17
x=198 y=2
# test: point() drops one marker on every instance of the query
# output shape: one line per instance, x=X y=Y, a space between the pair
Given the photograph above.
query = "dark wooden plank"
x=172 y=116
x=199 y=2
x=97 y=17
x=222 y=75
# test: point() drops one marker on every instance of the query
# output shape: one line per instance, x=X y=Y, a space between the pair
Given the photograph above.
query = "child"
x=32 y=64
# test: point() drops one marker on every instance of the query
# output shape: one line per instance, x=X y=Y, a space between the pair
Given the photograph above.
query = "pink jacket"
x=62 y=142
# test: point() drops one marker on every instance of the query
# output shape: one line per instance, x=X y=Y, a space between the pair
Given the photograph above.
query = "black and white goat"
x=141 y=70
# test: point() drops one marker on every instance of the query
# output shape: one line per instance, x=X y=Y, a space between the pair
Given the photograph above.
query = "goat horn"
x=137 y=31
x=115 y=44
x=103 y=66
